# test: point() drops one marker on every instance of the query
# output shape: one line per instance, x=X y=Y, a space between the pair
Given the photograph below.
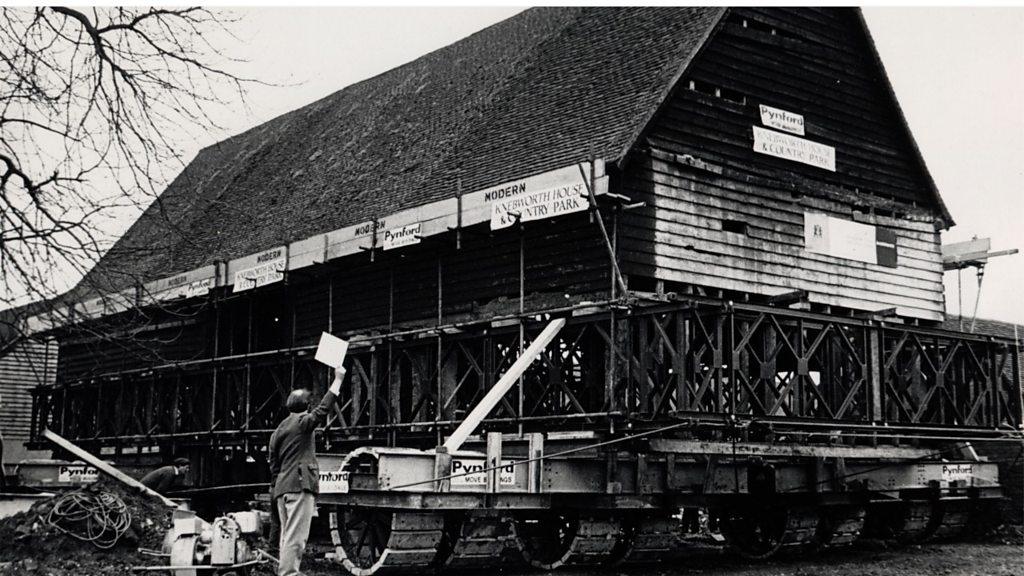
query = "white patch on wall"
x=824 y=234
x=790 y=147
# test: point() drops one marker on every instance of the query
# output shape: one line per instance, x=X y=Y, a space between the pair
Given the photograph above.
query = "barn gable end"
x=722 y=214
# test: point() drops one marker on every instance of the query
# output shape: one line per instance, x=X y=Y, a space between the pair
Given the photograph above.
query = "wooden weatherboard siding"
x=697 y=170
x=26 y=365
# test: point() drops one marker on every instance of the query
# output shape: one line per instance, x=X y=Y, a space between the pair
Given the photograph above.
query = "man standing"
x=294 y=474
x=162 y=479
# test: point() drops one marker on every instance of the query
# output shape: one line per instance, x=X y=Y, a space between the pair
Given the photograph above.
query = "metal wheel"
x=370 y=540
x=761 y=532
x=552 y=539
x=545 y=538
x=983 y=516
x=648 y=540
x=951 y=519
x=840 y=525
x=479 y=540
x=914 y=522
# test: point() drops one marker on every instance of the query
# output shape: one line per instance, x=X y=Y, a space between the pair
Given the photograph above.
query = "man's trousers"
x=296 y=512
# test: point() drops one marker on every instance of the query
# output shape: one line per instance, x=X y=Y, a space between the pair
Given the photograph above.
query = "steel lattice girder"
x=654 y=362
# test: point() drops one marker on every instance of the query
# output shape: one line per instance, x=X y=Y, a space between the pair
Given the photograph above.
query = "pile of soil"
x=32 y=546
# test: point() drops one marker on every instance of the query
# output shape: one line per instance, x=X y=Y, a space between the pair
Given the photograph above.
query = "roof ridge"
x=494 y=95
x=525 y=95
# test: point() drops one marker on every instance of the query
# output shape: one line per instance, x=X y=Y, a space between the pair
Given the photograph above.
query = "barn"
x=724 y=204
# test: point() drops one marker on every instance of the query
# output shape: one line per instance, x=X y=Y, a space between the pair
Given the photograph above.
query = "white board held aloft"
x=331 y=350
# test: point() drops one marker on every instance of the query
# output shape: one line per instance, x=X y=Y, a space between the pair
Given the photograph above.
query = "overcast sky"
x=958 y=73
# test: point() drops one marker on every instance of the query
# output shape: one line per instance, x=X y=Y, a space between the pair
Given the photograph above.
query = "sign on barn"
x=401 y=236
x=792 y=148
x=832 y=236
x=269 y=268
x=534 y=205
x=782 y=120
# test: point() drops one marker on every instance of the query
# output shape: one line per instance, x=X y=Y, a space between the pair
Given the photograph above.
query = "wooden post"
x=644 y=402
x=355 y=385
x=63 y=408
x=493 y=463
x=536 y=465
x=394 y=376
x=611 y=483
x=679 y=363
x=371 y=389
x=458 y=213
x=216 y=353
x=611 y=364
x=642 y=485
x=447 y=380
x=443 y=468
x=769 y=368
x=520 y=396
x=419 y=387
x=439 y=395
x=874 y=372
x=1015 y=388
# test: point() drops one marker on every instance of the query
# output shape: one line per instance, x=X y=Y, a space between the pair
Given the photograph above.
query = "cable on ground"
x=100 y=519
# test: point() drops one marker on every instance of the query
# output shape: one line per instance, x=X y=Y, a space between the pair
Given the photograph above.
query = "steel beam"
x=484 y=407
x=787 y=450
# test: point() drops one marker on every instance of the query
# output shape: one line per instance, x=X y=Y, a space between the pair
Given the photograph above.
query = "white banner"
x=269 y=268
x=470 y=472
x=792 y=148
x=824 y=234
x=186 y=289
x=401 y=236
x=535 y=205
x=783 y=120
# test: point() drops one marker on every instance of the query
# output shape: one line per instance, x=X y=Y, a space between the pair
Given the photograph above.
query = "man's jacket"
x=292 y=453
x=161 y=480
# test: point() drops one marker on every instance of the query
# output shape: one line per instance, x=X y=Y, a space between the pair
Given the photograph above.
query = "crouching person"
x=294 y=473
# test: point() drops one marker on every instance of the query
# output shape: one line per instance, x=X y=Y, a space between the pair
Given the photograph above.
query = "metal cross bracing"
x=639 y=364
x=938 y=378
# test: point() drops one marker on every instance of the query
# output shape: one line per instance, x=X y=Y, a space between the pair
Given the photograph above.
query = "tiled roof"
x=985 y=326
x=544 y=89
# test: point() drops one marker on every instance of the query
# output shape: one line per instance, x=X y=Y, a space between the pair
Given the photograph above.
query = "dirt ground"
x=30 y=547
x=866 y=558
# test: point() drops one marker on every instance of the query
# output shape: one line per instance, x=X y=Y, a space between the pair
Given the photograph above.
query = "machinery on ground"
x=226 y=546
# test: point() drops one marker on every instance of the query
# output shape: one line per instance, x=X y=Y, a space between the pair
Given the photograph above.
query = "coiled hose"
x=100 y=519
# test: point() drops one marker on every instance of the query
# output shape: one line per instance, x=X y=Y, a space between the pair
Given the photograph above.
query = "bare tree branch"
x=93 y=106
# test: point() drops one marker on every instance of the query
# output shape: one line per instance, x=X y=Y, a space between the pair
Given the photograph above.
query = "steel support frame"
x=404 y=478
x=638 y=364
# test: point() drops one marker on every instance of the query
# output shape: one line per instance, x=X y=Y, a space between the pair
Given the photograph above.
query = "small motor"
x=228 y=544
x=223 y=544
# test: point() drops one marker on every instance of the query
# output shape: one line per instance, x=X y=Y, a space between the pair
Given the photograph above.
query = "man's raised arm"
x=318 y=415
